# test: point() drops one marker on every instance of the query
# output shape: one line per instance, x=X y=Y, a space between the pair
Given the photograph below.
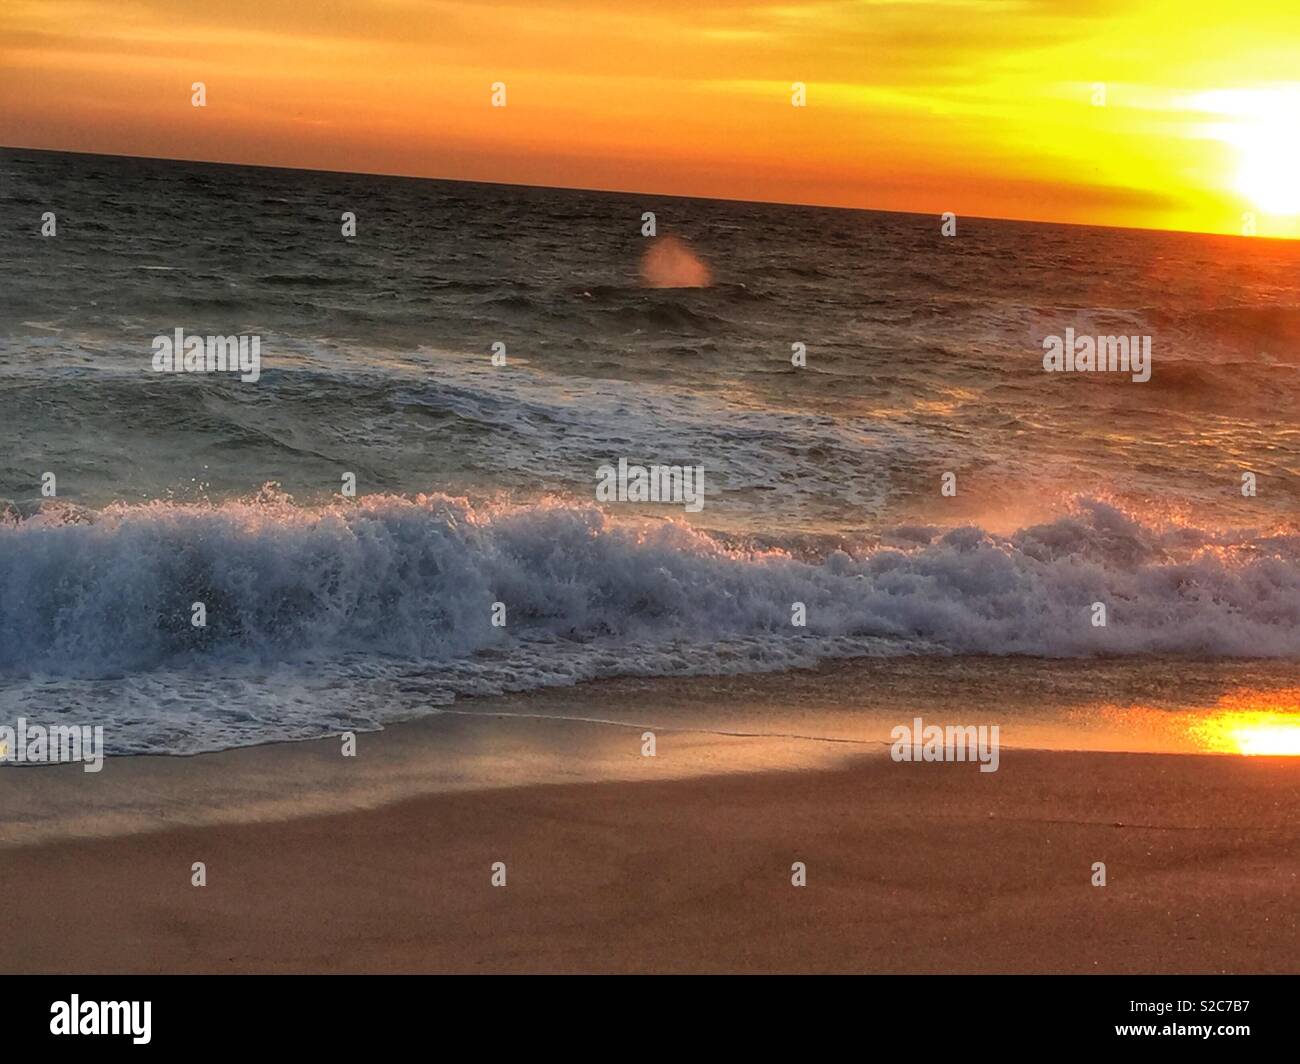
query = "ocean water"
x=476 y=483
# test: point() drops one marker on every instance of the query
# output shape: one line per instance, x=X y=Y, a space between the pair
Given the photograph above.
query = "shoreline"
x=797 y=720
x=682 y=862
x=910 y=868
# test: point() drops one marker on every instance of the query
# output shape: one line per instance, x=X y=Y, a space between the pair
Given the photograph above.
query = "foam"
x=394 y=595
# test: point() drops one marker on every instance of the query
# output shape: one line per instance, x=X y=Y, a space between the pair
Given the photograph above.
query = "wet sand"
x=617 y=862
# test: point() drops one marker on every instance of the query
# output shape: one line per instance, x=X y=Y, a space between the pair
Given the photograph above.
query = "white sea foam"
x=349 y=615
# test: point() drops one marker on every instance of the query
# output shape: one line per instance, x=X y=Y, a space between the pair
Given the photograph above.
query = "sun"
x=1263 y=126
x=1269 y=175
x=1253 y=737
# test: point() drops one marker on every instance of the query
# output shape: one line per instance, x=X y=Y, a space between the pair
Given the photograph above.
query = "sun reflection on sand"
x=1257 y=732
x=1252 y=722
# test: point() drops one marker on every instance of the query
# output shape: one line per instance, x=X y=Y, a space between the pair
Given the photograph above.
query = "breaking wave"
x=86 y=593
x=353 y=615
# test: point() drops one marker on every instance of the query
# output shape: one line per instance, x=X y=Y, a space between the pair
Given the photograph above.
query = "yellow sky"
x=1180 y=115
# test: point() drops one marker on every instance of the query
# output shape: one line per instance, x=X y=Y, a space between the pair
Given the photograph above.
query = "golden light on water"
x=1247 y=722
x=1251 y=733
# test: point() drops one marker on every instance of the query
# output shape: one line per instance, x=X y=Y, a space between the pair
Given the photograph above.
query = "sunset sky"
x=1182 y=115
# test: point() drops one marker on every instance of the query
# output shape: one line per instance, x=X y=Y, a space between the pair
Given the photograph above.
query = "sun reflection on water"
x=1248 y=722
x=1249 y=732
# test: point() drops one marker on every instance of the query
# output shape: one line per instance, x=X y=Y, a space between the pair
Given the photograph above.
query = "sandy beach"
x=616 y=862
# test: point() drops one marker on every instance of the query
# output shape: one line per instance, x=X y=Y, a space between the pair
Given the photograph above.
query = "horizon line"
x=639 y=192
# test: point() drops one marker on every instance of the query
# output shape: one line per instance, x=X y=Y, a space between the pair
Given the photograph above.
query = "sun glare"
x=1263 y=126
x=1257 y=733
x=1270 y=164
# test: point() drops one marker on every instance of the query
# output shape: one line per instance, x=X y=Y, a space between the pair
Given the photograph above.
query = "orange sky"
x=985 y=107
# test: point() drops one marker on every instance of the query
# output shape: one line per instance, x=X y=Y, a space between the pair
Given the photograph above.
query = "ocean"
x=476 y=557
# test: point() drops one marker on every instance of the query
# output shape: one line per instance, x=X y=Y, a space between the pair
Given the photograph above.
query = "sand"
x=616 y=862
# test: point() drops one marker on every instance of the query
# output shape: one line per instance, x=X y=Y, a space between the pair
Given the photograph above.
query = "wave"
x=1274 y=328
x=306 y=280
x=87 y=593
